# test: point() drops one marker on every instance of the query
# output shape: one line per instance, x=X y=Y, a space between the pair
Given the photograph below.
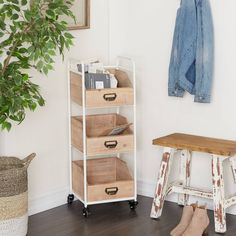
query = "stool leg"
x=233 y=166
x=218 y=194
x=185 y=172
x=162 y=183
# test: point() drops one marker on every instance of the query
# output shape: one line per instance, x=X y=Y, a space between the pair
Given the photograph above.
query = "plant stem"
x=7 y=60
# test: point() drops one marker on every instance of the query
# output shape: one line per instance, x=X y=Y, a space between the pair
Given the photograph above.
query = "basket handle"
x=111 y=144
x=111 y=191
x=26 y=161
x=109 y=97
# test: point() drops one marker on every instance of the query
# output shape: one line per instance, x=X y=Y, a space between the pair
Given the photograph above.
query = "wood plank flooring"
x=115 y=219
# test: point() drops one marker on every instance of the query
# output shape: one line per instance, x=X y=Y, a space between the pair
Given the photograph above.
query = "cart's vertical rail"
x=69 y=125
x=84 y=136
x=135 y=131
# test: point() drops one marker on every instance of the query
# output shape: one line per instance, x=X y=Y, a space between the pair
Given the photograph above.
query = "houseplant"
x=31 y=34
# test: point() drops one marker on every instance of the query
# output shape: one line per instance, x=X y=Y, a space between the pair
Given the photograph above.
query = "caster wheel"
x=133 y=204
x=86 y=212
x=70 y=198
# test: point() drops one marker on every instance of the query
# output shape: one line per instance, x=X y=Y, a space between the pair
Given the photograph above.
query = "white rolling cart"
x=101 y=176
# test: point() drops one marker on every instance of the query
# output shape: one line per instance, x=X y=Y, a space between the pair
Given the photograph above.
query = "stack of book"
x=96 y=77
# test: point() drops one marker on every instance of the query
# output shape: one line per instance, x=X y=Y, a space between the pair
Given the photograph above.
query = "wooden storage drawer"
x=107 y=178
x=96 y=125
x=123 y=95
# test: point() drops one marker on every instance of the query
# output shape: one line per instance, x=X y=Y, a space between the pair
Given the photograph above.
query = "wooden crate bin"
x=97 y=124
x=107 y=178
x=123 y=95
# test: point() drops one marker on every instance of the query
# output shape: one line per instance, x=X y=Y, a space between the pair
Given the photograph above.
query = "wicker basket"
x=14 y=195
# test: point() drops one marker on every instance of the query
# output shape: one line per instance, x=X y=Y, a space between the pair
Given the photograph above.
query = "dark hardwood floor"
x=115 y=219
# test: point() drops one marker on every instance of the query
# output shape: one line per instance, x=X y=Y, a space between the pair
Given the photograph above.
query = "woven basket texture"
x=14 y=196
x=14 y=227
x=14 y=206
x=13 y=182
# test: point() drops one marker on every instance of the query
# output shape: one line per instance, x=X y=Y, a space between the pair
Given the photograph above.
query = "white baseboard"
x=59 y=197
x=48 y=201
x=148 y=188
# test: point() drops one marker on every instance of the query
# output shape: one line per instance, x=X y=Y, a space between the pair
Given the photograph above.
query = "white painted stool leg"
x=162 y=183
x=218 y=194
x=185 y=174
x=233 y=166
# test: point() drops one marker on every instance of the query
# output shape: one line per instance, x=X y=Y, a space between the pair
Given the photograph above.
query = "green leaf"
x=31 y=49
x=51 y=52
x=3 y=118
x=23 y=50
x=15 y=17
x=15 y=1
x=68 y=35
x=50 y=67
x=2 y=25
x=23 y=2
x=36 y=54
x=13 y=28
x=41 y=102
x=16 y=8
x=32 y=106
x=45 y=70
x=28 y=15
x=6 y=125
x=39 y=65
x=47 y=58
x=25 y=77
x=50 y=13
x=17 y=79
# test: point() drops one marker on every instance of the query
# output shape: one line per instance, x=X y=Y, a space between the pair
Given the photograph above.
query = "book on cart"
x=97 y=77
x=116 y=130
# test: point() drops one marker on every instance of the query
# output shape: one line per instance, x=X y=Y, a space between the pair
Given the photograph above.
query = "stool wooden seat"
x=198 y=143
x=219 y=149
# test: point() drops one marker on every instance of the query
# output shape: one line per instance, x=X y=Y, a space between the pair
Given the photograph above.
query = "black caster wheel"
x=70 y=198
x=86 y=212
x=133 y=204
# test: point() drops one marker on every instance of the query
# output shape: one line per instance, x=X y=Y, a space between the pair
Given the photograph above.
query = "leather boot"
x=184 y=222
x=199 y=224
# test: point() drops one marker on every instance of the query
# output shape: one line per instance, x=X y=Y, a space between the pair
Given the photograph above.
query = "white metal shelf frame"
x=129 y=67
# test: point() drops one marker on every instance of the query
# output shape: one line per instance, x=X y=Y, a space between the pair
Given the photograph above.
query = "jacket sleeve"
x=187 y=45
x=173 y=88
x=205 y=53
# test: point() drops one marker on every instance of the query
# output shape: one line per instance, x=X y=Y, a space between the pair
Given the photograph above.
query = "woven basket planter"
x=14 y=195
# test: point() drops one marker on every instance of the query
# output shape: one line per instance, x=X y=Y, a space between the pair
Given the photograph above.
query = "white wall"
x=45 y=131
x=145 y=31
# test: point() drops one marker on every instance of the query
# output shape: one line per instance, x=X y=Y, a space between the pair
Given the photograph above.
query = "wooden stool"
x=220 y=150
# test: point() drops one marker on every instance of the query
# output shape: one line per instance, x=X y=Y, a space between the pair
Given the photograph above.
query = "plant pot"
x=14 y=195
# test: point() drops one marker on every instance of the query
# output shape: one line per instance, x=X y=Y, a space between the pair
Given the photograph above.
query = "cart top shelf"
x=109 y=97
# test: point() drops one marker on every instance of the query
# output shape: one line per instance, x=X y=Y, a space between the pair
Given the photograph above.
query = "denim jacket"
x=191 y=64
